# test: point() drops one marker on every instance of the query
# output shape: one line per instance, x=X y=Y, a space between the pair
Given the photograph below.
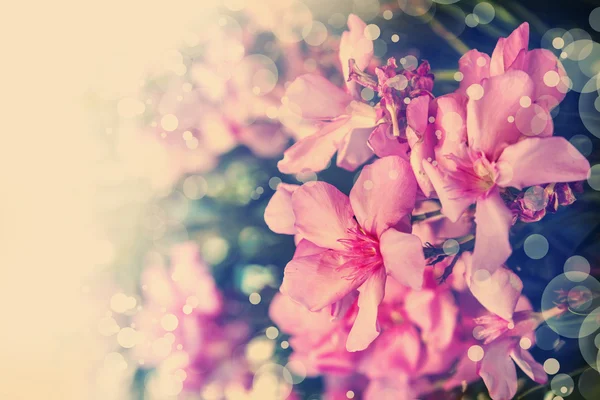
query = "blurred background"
x=104 y=172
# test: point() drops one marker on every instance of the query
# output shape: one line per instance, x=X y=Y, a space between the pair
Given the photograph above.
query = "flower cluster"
x=400 y=289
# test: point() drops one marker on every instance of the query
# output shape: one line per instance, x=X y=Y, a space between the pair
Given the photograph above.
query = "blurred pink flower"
x=346 y=123
x=179 y=324
x=354 y=243
x=317 y=338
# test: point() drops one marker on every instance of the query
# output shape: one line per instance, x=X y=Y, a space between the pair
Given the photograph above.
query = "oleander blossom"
x=505 y=344
x=353 y=243
x=483 y=149
x=347 y=124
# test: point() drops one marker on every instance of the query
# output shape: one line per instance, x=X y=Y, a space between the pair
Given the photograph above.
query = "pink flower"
x=354 y=243
x=347 y=125
x=506 y=344
x=419 y=343
x=489 y=155
x=548 y=77
x=346 y=122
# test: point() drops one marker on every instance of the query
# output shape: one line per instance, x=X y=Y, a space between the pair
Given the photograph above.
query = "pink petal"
x=537 y=63
x=417 y=114
x=536 y=161
x=314 y=152
x=507 y=49
x=365 y=328
x=498 y=371
x=403 y=257
x=435 y=313
x=307 y=248
x=528 y=365
x=488 y=127
x=398 y=349
x=474 y=70
x=422 y=149
x=383 y=194
x=279 y=215
x=354 y=44
x=294 y=319
x=316 y=281
x=384 y=143
x=422 y=140
x=498 y=292
x=452 y=206
x=323 y=214
x=492 y=247
x=451 y=122
x=355 y=149
x=313 y=97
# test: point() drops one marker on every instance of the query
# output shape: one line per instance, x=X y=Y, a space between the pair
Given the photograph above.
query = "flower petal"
x=452 y=206
x=294 y=319
x=354 y=44
x=435 y=313
x=488 y=127
x=384 y=143
x=498 y=292
x=549 y=90
x=528 y=365
x=316 y=281
x=536 y=161
x=383 y=194
x=403 y=257
x=312 y=96
x=492 y=247
x=498 y=371
x=314 y=152
x=365 y=328
x=355 y=150
x=507 y=49
x=323 y=214
x=279 y=215
x=417 y=114
x=422 y=140
x=475 y=67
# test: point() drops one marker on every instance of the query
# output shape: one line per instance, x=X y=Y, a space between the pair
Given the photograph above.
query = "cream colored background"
x=52 y=54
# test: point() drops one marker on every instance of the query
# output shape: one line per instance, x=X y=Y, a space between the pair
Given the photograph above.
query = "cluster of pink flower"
x=403 y=282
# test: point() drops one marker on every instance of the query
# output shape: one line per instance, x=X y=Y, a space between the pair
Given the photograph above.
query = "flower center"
x=361 y=255
x=473 y=175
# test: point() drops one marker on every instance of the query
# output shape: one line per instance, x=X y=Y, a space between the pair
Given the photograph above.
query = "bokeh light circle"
x=485 y=12
x=551 y=366
x=532 y=120
x=589 y=384
x=594 y=179
x=583 y=144
x=577 y=268
x=536 y=246
x=594 y=20
x=415 y=8
x=562 y=385
x=272 y=381
x=562 y=292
